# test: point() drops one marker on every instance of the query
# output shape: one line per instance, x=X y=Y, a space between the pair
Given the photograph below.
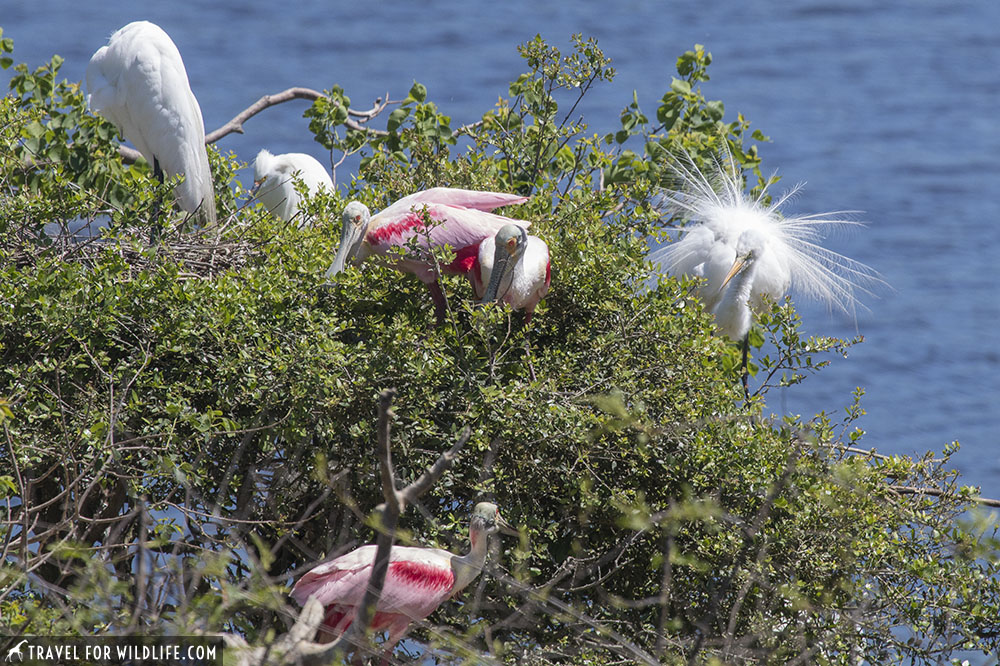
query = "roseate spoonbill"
x=274 y=181
x=513 y=267
x=747 y=251
x=461 y=219
x=138 y=82
x=417 y=581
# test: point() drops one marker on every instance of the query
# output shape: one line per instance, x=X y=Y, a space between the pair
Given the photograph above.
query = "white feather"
x=138 y=82
x=276 y=175
x=718 y=212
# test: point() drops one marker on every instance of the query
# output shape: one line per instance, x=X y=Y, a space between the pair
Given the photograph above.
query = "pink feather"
x=417 y=582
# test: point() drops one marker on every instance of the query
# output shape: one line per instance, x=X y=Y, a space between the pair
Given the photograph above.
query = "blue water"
x=888 y=108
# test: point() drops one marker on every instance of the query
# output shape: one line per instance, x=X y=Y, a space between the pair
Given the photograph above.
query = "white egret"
x=274 y=181
x=139 y=83
x=747 y=252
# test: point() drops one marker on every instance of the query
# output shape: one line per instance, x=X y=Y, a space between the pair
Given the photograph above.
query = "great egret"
x=418 y=580
x=274 y=181
x=748 y=252
x=512 y=267
x=459 y=219
x=139 y=83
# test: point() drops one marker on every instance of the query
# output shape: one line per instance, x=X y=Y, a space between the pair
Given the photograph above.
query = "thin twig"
x=934 y=492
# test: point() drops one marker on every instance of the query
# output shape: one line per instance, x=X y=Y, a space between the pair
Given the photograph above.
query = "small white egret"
x=139 y=83
x=747 y=252
x=274 y=181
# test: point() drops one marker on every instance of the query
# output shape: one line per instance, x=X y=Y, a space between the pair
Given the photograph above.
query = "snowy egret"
x=138 y=82
x=274 y=181
x=747 y=252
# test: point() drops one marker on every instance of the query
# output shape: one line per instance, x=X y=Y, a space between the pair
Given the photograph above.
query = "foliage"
x=188 y=422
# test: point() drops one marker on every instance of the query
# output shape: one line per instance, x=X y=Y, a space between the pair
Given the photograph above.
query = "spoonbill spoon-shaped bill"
x=729 y=233
x=459 y=218
x=417 y=581
x=274 y=181
x=512 y=267
x=138 y=82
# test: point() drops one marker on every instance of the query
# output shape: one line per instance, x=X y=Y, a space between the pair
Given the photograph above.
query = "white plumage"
x=138 y=82
x=525 y=272
x=746 y=249
x=274 y=181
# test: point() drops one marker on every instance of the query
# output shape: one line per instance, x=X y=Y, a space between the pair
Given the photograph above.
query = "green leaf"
x=716 y=110
x=418 y=92
x=680 y=86
x=396 y=118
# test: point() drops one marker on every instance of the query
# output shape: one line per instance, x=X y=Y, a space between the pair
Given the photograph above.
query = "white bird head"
x=263 y=164
x=786 y=250
x=750 y=247
x=511 y=242
x=356 y=218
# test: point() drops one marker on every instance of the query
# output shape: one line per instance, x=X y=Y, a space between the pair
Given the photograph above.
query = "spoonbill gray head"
x=356 y=217
x=511 y=242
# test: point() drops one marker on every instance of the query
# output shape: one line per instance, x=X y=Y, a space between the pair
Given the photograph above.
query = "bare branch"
x=130 y=155
x=389 y=517
x=235 y=125
x=410 y=493
x=934 y=492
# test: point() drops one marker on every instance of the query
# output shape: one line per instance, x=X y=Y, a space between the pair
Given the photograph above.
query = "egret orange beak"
x=738 y=265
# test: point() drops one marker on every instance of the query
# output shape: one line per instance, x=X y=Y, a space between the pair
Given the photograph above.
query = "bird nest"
x=199 y=254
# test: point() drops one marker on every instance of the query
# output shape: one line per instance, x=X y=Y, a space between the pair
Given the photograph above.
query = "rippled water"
x=888 y=108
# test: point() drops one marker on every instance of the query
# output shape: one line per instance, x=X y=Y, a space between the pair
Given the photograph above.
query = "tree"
x=188 y=422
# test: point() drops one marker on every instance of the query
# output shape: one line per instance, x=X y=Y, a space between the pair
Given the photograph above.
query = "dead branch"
x=355 y=120
x=935 y=492
x=235 y=125
x=388 y=517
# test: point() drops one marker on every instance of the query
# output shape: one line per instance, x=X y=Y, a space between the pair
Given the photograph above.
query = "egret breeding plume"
x=138 y=82
x=417 y=581
x=748 y=252
x=274 y=181
x=460 y=219
x=512 y=267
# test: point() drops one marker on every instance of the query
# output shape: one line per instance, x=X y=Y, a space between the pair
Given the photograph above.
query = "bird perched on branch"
x=432 y=218
x=417 y=581
x=748 y=253
x=274 y=181
x=512 y=267
x=138 y=82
